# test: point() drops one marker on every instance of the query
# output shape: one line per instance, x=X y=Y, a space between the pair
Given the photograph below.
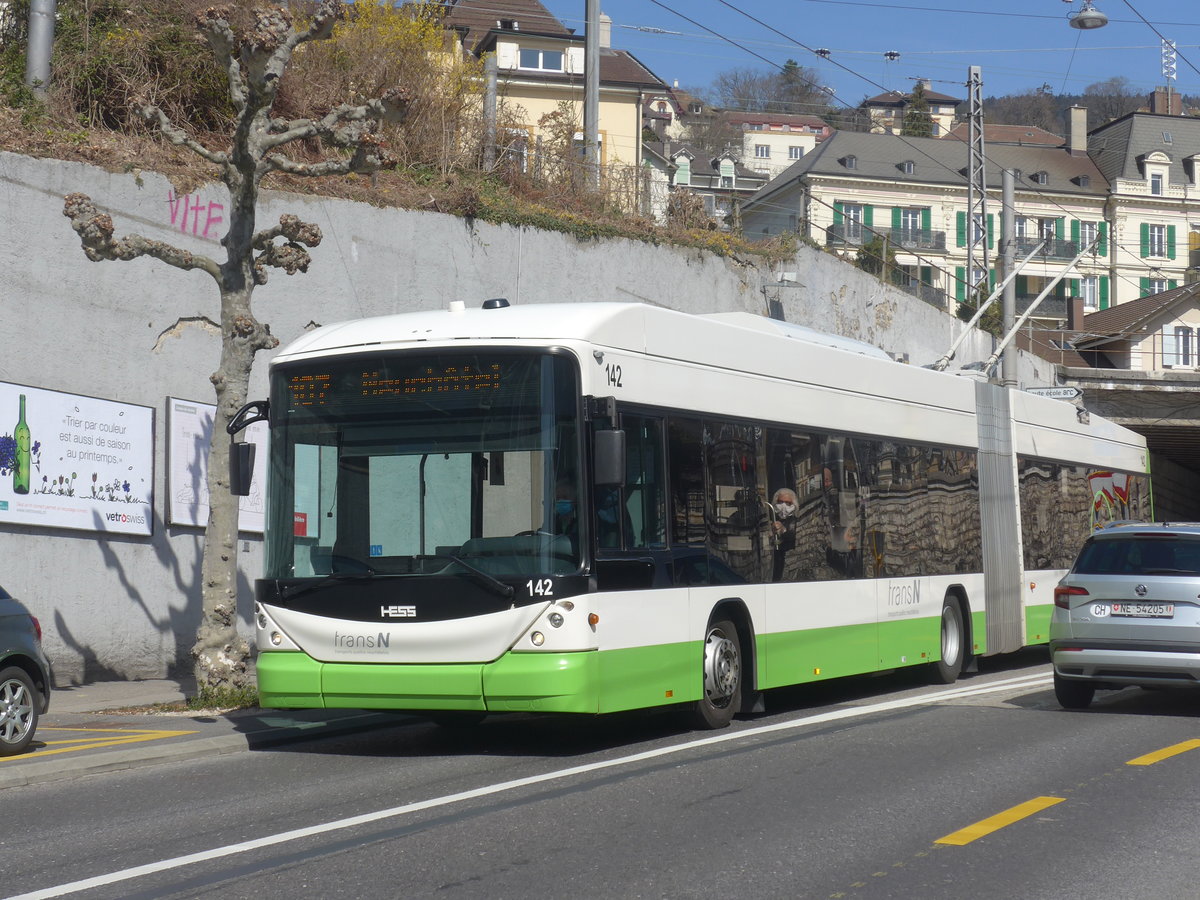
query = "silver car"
x=1128 y=612
x=25 y=676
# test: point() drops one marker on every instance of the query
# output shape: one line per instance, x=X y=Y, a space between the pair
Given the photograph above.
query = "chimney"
x=605 y=31
x=1075 y=314
x=1167 y=102
x=1077 y=132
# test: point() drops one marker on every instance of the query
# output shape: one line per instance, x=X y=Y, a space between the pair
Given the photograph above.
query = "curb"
x=19 y=772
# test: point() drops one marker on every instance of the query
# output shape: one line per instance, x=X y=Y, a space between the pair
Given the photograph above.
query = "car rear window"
x=1140 y=555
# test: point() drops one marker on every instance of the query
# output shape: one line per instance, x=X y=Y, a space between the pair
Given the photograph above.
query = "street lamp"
x=1087 y=18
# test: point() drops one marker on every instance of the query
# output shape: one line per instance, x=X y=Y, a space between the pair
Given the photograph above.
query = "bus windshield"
x=408 y=463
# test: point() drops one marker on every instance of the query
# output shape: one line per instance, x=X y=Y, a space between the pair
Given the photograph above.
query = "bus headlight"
x=538 y=638
x=276 y=638
x=555 y=619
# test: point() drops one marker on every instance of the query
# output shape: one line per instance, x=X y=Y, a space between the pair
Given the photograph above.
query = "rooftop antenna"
x=1168 y=68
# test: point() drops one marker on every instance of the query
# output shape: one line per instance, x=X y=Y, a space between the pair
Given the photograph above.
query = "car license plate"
x=1144 y=610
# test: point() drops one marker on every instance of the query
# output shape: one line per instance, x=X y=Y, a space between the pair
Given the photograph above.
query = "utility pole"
x=489 y=113
x=1008 y=259
x=977 y=234
x=41 y=44
x=591 y=93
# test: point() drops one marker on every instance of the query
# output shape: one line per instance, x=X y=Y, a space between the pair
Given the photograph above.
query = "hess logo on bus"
x=397 y=612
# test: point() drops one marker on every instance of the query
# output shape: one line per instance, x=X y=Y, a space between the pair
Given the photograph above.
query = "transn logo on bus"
x=398 y=612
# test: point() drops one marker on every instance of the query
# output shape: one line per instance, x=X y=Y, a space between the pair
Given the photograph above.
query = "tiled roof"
x=899 y=98
x=1129 y=318
x=1008 y=134
x=1117 y=146
x=1055 y=347
x=937 y=161
x=481 y=16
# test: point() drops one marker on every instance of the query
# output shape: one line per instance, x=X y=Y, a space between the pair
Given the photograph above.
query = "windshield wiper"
x=297 y=590
x=495 y=584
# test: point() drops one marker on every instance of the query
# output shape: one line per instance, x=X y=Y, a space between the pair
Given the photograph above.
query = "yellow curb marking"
x=117 y=737
x=994 y=823
x=1158 y=755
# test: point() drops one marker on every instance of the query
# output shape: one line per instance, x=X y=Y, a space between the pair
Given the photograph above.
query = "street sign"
x=1056 y=393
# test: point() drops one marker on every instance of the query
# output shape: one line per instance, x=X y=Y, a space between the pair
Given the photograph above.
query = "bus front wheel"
x=722 y=676
x=947 y=669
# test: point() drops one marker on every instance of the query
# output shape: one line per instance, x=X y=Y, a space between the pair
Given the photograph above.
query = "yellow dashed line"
x=115 y=738
x=994 y=823
x=1158 y=755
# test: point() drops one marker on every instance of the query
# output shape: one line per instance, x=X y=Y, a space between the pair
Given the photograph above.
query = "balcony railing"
x=1050 y=308
x=1054 y=249
x=934 y=296
x=852 y=234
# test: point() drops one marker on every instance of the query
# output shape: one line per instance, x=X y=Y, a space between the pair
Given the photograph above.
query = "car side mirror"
x=609 y=457
x=241 y=468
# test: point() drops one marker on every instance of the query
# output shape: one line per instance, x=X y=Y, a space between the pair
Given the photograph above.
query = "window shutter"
x=895 y=218
x=1170 y=242
x=1145 y=242
x=1074 y=291
x=1058 y=229
x=960 y=282
x=1170 y=352
x=1075 y=234
x=991 y=280
x=1102 y=243
x=868 y=215
x=1143 y=287
x=1103 y=290
x=926 y=275
x=1172 y=284
x=991 y=230
x=960 y=229
x=926 y=219
x=839 y=216
x=1022 y=286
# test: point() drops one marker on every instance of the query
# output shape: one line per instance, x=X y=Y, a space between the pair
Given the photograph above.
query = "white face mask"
x=785 y=509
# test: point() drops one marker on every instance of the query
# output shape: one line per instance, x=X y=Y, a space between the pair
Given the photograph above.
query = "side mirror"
x=254 y=411
x=241 y=468
x=609 y=446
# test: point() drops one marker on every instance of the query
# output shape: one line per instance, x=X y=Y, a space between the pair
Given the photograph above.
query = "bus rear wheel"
x=722 y=677
x=947 y=669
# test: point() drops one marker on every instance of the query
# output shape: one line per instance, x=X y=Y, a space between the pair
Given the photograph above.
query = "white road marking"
x=395 y=812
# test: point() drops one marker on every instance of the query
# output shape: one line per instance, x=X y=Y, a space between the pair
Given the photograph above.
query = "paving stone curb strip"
x=90 y=729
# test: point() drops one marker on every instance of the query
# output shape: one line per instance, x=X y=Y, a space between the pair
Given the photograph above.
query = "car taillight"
x=1063 y=594
x=37 y=628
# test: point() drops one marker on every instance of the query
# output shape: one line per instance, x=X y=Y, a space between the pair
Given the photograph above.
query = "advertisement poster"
x=189 y=430
x=69 y=461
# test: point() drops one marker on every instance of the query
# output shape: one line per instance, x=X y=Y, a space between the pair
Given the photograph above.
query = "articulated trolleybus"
x=594 y=507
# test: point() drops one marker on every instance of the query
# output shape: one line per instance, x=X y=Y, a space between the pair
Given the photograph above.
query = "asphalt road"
x=879 y=787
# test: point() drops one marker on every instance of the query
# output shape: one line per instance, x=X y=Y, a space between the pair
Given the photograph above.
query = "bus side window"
x=645 y=486
x=685 y=454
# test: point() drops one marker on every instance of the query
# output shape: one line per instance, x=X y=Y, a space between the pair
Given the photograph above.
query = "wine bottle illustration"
x=21 y=467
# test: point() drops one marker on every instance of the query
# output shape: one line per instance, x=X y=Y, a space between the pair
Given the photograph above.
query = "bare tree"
x=254 y=61
x=1112 y=98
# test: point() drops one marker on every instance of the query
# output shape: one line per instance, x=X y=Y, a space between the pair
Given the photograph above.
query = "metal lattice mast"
x=977 y=235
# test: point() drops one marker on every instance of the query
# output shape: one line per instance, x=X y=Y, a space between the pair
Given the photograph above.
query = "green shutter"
x=926 y=275
x=1172 y=284
x=991 y=280
x=991 y=230
x=960 y=229
x=1075 y=233
x=895 y=218
x=1170 y=242
x=1103 y=291
x=868 y=215
x=960 y=282
x=1058 y=229
x=1022 y=286
x=1102 y=244
x=1143 y=287
x=839 y=215
x=926 y=219
x=1074 y=287
x=1145 y=231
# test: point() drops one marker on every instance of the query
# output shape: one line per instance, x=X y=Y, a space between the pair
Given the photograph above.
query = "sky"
x=1020 y=45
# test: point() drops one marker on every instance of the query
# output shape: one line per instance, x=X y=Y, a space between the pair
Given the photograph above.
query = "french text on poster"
x=189 y=428
x=70 y=461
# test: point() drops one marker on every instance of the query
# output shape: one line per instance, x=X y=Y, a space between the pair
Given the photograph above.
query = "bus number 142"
x=540 y=587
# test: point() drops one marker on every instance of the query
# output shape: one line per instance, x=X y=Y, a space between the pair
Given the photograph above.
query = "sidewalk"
x=91 y=729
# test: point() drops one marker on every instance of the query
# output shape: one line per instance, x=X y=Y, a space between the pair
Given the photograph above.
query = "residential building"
x=1127 y=189
x=721 y=181
x=541 y=65
x=773 y=141
x=886 y=111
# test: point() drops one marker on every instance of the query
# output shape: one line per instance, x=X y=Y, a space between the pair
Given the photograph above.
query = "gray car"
x=25 y=676
x=1128 y=612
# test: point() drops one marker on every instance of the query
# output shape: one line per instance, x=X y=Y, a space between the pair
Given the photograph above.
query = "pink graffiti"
x=192 y=215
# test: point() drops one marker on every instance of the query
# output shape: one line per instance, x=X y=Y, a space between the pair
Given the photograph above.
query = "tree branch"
x=95 y=230
x=178 y=136
x=343 y=125
x=289 y=256
x=213 y=23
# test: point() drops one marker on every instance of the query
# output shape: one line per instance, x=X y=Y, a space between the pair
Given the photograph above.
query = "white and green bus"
x=594 y=507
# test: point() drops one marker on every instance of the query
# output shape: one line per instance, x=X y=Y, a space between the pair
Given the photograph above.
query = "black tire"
x=722 y=670
x=953 y=643
x=19 y=706
x=1073 y=694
